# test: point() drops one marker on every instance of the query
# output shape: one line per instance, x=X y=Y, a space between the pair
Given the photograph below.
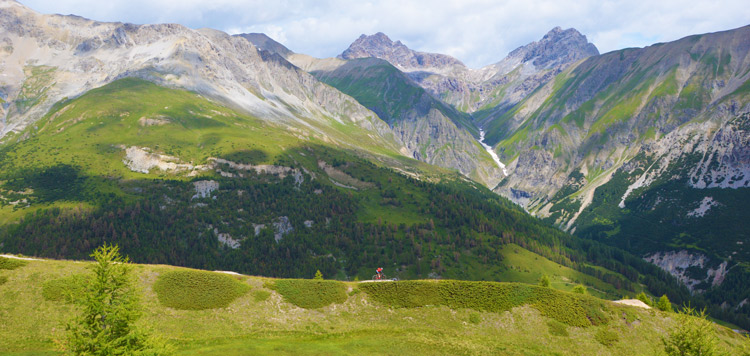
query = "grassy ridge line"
x=357 y=326
x=574 y=310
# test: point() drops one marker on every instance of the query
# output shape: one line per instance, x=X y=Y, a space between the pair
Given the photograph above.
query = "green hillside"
x=223 y=314
x=274 y=204
x=388 y=92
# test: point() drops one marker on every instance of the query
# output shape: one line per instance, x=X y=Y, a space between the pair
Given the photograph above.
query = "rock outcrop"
x=678 y=263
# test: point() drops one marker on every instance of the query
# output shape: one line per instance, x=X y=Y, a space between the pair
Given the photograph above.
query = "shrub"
x=197 y=290
x=664 y=304
x=311 y=294
x=580 y=289
x=69 y=289
x=571 y=309
x=557 y=328
x=544 y=281
x=644 y=298
x=261 y=295
x=475 y=318
x=3 y=279
x=607 y=337
x=11 y=263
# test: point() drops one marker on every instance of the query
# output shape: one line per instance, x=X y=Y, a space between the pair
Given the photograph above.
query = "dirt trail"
x=633 y=302
x=21 y=258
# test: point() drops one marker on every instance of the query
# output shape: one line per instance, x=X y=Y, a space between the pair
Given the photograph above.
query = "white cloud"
x=477 y=32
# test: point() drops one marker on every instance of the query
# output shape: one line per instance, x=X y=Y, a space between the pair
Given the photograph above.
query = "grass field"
x=354 y=324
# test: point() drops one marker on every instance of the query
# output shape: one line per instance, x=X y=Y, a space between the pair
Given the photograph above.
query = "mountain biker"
x=379 y=272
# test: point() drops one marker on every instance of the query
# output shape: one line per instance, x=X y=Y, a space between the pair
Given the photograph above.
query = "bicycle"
x=379 y=277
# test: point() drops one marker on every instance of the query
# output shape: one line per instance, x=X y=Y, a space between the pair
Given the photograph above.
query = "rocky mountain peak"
x=557 y=47
x=263 y=42
x=381 y=46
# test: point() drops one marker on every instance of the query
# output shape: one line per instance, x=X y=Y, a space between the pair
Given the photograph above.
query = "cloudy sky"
x=478 y=32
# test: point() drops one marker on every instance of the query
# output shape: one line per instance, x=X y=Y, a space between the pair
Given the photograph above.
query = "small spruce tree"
x=544 y=280
x=318 y=275
x=110 y=307
x=693 y=335
x=664 y=304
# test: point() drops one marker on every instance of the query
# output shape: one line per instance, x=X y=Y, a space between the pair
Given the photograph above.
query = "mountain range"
x=640 y=155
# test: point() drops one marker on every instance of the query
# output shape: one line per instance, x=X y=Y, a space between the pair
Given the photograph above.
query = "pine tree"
x=318 y=275
x=110 y=308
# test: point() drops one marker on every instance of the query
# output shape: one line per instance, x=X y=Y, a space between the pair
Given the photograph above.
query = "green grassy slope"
x=519 y=319
x=382 y=88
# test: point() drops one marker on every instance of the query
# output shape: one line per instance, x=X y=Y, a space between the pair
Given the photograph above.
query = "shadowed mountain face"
x=431 y=130
x=263 y=42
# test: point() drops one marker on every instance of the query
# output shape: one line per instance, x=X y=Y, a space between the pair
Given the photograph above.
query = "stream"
x=492 y=152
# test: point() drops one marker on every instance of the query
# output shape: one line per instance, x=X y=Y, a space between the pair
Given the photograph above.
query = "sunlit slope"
x=175 y=178
x=237 y=315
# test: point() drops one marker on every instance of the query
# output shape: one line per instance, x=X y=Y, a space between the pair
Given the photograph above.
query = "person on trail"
x=379 y=272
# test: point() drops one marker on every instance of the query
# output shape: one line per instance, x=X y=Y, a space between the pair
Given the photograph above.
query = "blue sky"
x=478 y=32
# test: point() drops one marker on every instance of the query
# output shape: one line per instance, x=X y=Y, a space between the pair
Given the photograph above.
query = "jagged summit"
x=557 y=47
x=381 y=46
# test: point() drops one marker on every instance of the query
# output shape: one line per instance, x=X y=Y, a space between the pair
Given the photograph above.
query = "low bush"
x=475 y=318
x=607 y=337
x=3 y=279
x=197 y=290
x=261 y=295
x=568 y=308
x=11 y=263
x=68 y=289
x=311 y=293
x=557 y=328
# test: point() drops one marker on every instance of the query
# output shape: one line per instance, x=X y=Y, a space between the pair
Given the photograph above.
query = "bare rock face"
x=380 y=46
x=557 y=47
x=677 y=264
x=282 y=226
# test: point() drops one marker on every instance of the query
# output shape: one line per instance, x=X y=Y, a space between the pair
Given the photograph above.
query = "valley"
x=618 y=174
